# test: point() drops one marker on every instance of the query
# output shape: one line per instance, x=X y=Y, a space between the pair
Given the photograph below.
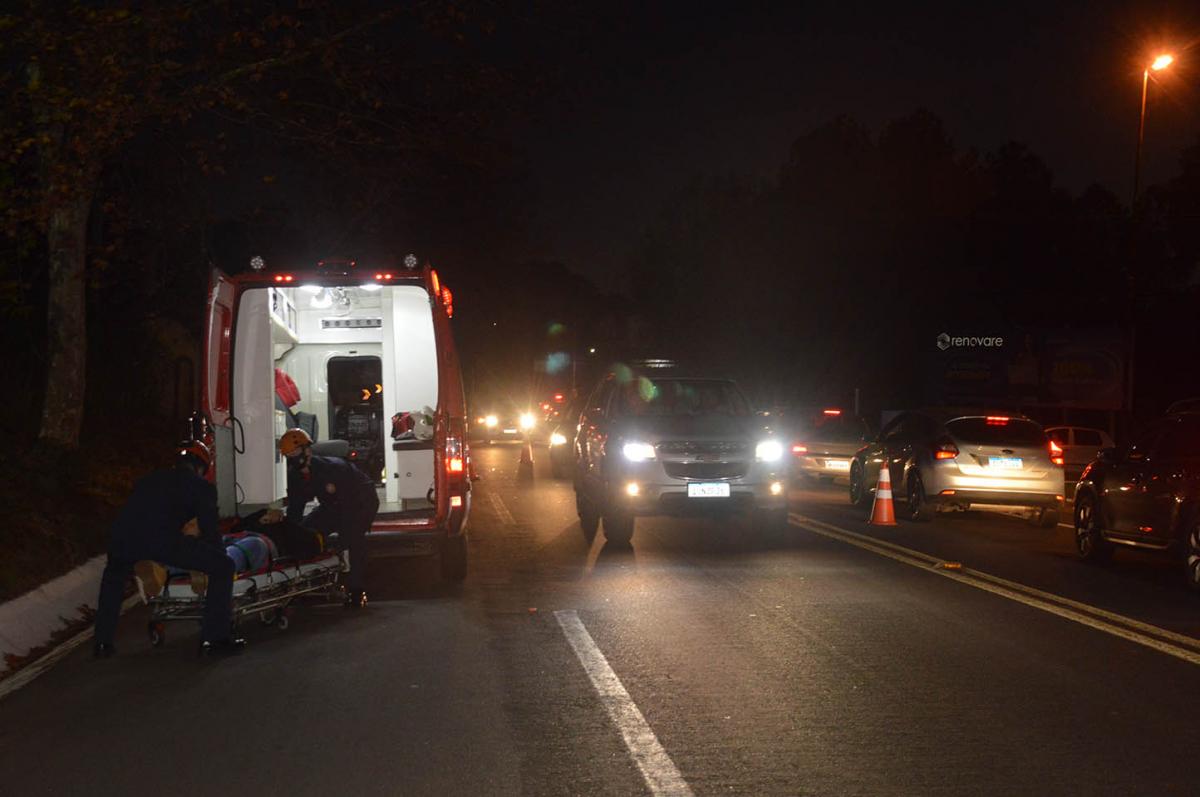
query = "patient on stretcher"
x=251 y=543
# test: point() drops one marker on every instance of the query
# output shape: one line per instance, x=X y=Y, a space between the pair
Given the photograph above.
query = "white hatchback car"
x=1080 y=444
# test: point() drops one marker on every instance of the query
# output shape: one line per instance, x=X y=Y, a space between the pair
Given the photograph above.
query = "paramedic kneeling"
x=348 y=503
x=149 y=526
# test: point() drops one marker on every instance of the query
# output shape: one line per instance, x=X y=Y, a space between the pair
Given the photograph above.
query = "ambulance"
x=361 y=356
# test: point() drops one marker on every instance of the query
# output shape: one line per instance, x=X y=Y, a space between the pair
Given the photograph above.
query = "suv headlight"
x=527 y=420
x=491 y=421
x=558 y=439
x=638 y=452
x=769 y=451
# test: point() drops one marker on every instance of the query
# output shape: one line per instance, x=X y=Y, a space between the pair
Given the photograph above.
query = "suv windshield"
x=995 y=431
x=679 y=397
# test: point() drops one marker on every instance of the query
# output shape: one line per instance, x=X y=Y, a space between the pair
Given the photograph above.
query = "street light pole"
x=1160 y=63
x=1137 y=161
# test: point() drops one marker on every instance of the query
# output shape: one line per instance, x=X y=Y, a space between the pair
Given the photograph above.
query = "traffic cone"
x=525 y=469
x=883 y=513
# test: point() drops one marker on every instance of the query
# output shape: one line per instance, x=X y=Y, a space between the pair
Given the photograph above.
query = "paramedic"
x=150 y=526
x=348 y=502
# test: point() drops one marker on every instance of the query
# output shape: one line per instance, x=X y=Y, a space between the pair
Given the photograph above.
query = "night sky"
x=641 y=99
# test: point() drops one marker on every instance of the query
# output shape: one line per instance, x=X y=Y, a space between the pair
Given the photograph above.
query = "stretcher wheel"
x=157 y=632
x=269 y=617
x=282 y=621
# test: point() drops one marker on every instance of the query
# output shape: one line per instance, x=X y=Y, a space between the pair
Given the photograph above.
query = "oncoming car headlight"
x=558 y=439
x=769 y=451
x=491 y=421
x=638 y=452
x=527 y=420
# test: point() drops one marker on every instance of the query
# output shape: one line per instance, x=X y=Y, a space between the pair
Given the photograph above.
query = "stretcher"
x=267 y=593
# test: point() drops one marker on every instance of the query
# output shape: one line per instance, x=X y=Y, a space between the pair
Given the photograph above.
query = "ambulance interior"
x=338 y=362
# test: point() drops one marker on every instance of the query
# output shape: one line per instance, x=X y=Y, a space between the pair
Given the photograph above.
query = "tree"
x=82 y=83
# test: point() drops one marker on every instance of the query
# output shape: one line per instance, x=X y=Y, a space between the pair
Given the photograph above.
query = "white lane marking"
x=501 y=510
x=1121 y=619
x=660 y=772
x=1053 y=604
x=26 y=674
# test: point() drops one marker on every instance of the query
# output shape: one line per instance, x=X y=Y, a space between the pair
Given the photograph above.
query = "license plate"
x=708 y=490
x=1005 y=463
x=510 y=431
x=837 y=464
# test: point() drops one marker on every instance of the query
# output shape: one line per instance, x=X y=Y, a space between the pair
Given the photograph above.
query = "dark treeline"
x=839 y=273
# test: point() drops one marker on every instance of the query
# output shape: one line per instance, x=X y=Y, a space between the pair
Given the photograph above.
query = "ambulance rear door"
x=216 y=390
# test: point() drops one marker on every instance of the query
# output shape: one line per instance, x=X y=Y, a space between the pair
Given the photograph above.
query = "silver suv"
x=959 y=458
x=667 y=445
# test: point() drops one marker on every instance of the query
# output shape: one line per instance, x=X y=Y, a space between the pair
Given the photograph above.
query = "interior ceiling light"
x=323 y=300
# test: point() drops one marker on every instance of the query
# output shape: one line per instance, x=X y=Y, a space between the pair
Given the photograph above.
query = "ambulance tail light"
x=455 y=464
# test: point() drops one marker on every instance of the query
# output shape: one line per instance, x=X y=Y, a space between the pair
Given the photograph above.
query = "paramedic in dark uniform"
x=348 y=503
x=150 y=526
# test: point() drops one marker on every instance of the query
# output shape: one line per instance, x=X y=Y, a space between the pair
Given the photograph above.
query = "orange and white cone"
x=883 y=512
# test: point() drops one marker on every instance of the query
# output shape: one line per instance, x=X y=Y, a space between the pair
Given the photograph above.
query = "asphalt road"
x=838 y=659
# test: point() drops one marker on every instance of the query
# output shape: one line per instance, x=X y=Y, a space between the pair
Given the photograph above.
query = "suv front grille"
x=688 y=448
x=705 y=470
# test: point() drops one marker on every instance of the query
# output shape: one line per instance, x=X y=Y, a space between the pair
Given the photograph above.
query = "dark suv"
x=1146 y=496
x=669 y=445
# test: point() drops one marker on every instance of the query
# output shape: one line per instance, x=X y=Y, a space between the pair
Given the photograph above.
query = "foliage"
x=834 y=275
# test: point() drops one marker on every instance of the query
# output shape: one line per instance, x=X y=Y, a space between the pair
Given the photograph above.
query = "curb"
x=33 y=621
x=19 y=678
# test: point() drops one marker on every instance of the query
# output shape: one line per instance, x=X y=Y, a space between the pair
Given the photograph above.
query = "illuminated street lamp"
x=1160 y=63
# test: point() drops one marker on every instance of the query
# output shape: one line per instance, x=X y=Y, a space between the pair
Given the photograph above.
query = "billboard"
x=1067 y=368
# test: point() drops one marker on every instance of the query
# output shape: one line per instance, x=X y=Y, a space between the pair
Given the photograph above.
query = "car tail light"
x=799 y=448
x=833 y=413
x=1056 y=453
x=997 y=420
x=945 y=449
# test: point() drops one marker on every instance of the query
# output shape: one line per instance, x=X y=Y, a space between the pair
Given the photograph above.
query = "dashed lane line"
x=1159 y=639
x=501 y=510
x=661 y=774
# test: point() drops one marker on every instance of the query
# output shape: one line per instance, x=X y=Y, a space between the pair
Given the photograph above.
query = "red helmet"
x=196 y=452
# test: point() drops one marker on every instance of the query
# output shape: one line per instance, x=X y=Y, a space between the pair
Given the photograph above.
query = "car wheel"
x=453 y=558
x=918 y=506
x=859 y=495
x=1192 y=554
x=618 y=527
x=1090 y=545
x=589 y=518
